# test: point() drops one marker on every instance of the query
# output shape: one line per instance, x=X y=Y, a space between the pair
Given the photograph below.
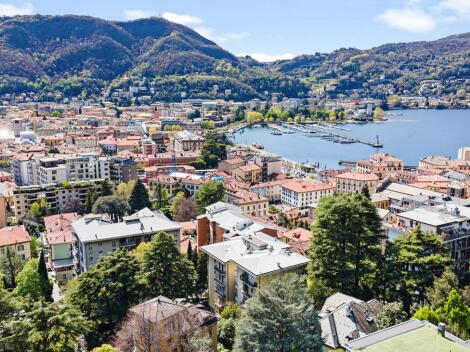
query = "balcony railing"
x=245 y=278
x=220 y=282
x=219 y=270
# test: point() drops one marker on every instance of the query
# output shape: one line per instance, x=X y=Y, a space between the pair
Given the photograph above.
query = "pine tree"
x=139 y=198
x=46 y=285
x=165 y=271
x=279 y=318
x=346 y=227
x=90 y=200
x=106 y=188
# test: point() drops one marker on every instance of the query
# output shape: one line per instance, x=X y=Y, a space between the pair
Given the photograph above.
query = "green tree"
x=417 y=258
x=379 y=114
x=106 y=188
x=105 y=292
x=162 y=200
x=124 y=190
x=175 y=204
x=209 y=193
x=139 y=198
x=47 y=328
x=105 y=348
x=165 y=271
x=227 y=324
x=45 y=282
x=201 y=260
x=438 y=293
x=457 y=314
x=11 y=264
x=116 y=207
x=279 y=318
x=35 y=246
x=254 y=116
x=391 y=314
x=90 y=200
x=28 y=281
x=346 y=227
x=426 y=313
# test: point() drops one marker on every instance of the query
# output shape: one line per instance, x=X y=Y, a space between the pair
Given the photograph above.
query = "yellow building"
x=16 y=239
x=238 y=267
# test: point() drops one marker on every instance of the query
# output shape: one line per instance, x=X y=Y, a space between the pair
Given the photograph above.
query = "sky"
x=276 y=29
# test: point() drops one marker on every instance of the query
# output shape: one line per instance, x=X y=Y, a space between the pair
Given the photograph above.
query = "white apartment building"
x=300 y=194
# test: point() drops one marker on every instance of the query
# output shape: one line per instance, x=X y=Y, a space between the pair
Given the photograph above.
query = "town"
x=147 y=228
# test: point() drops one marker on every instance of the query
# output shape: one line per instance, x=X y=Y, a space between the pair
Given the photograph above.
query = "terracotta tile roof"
x=11 y=235
x=359 y=176
x=306 y=186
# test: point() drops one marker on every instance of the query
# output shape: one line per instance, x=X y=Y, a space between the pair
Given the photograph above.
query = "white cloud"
x=237 y=36
x=408 y=19
x=459 y=7
x=13 y=10
x=262 y=57
x=186 y=20
x=136 y=14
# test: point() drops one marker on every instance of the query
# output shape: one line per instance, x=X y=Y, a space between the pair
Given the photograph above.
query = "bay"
x=408 y=134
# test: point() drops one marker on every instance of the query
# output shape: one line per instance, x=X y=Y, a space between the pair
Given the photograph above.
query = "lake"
x=408 y=134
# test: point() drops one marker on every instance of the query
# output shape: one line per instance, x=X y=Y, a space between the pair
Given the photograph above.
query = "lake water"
x=409 y=135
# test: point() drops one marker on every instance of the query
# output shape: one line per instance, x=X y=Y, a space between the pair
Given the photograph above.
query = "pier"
x=325 y=133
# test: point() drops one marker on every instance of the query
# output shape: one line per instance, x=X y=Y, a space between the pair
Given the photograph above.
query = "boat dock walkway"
x=325 y=132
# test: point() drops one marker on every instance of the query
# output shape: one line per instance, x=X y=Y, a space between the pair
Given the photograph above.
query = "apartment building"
x=380 y=164
x=16 y=239
x=223 y=221
x=165 y=322
x=354 y=181
x=249 y=202
x=450 y=221
x=188 y=141
x=300 y=194
x=95 y=236
x=250 y=174
x=270 y=166
x=59 y=197
x=240 y=266
x=59 y=241
x=229 y=165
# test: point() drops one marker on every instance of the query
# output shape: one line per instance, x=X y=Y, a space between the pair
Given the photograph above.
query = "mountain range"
x=78 y=55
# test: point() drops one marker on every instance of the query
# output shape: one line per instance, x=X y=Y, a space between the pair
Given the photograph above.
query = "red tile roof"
x=11 y=235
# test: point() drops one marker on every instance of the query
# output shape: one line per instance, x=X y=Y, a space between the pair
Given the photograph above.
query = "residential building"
x=464 y=153
x=16 y=239
x=239 y=266
x=412 y=335
x=353 y=182
x=59 y=197
x=59 y=242
x=188 y=141
x=300 y=194
x=380 y=164
x=229 y=165
x=271 y=189
x=169 y=183
x=250 y=174
x=299 y=239
x=223 y=221
x=451 y=222
x=95 y=236
x=162 y=324
x=122 y=170
x=249 y=202
x=344 y=318
x=270 y=166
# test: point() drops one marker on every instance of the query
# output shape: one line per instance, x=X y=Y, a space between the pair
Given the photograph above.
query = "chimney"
x=441 y=329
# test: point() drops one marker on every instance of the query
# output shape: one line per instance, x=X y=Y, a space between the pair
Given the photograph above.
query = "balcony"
x=219 y=270
x=220 y=293
x=220 y=282
x=244 y=277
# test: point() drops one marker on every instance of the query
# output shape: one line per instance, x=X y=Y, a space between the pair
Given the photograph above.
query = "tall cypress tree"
x=139 y=198
x=46 y=285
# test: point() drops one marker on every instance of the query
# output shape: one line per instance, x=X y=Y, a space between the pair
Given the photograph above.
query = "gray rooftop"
x=92 y=228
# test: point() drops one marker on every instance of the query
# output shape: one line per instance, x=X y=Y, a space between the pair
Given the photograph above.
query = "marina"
x=409 y=133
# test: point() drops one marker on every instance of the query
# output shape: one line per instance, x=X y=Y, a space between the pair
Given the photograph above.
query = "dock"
x=325 y=132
